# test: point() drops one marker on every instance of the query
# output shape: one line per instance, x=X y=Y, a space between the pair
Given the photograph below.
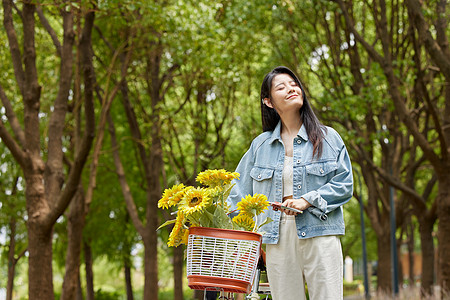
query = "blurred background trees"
x=105 y=104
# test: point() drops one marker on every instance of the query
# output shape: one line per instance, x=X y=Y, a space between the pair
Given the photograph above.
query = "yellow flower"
x=172 y=196
x=185 y=237
x=226 y=206
x=253 y=205
x=213 y=178
x=215 y=192
x=245 y=221
x=194 y=200
x=177 y=235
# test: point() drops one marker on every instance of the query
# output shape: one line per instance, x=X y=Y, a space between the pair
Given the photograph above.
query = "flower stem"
x=256 y=223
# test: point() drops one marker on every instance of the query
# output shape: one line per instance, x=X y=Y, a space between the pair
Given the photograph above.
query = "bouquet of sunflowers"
x=207 y=207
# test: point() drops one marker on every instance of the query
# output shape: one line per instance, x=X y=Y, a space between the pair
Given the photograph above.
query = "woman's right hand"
x=300 y=204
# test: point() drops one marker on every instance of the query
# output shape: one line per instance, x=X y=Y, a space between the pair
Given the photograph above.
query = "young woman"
x=304 y=165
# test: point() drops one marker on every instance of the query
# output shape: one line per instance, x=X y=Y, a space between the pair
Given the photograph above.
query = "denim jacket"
x=325 y=182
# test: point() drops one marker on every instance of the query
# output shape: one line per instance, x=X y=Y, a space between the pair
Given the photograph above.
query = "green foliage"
x=352 y=241
x=12 y=208
x=353 y=288
x=104 y=295
x=213 y=56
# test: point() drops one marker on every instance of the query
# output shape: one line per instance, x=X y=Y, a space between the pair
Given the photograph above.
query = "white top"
x=288 y=176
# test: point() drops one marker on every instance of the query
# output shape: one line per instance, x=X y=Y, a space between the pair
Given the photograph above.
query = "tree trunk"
x=89 y=273
x=400 y=274
x=79 y=289
x=11 y=259
x=128 y=281
x=178 y=257
x=75 y=236
x=199 y=295
x=427 y=247
x=443 y=233
x=384 y=263
x=411 y=242
x=39 y=262
x=151 y=160
x=150 y=271
x=48 y=190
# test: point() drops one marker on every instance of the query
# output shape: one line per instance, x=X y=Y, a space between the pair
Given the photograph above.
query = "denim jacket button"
x=321 y=170
x=299 y=141
x=303 y=233
x=259 y=176
x=299 y=186
x=298 y=161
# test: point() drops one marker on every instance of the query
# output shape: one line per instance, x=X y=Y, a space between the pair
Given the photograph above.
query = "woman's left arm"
x=338 y=190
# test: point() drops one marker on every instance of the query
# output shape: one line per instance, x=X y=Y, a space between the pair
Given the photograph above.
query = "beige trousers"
x=292 y=262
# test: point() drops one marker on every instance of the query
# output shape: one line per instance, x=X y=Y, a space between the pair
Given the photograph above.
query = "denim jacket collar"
x=276 y=133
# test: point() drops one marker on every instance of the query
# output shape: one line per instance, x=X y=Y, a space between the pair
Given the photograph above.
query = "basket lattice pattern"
x=222 y=257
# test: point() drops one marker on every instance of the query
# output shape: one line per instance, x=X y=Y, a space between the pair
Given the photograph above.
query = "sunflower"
x=178 y=231
x=213 y=178
x=194 y=200
x=215 y=192
x=253 y=205
x=172 y=196
x=185 y=238
x=245 y=221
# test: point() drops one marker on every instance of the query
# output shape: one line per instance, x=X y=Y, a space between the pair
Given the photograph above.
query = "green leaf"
x=266 y=221
x=221 y=219
x=206 y=219
x=227 y=190
x=166 y=223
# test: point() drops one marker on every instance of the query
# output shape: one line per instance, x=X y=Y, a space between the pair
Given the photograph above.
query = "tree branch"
x=104 y=116
x=400 y=106
x=437 y=54
x=89 y=133
x=20 y=156
x=21 y=254
x=32 y=89
x=13 y=44
x=370 y=49
x=429 y=187
x=54 y=177
x=398 y=184
x=12 y=118
x=129 y=202
x=441 y=26
x=49 y=29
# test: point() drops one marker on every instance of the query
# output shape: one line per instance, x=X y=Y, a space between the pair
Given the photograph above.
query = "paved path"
x=354 y=297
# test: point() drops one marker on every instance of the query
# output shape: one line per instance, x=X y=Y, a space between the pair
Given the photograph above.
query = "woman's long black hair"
x=270 y=117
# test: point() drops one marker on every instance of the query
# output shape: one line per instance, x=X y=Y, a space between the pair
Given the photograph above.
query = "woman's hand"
x=300 y=204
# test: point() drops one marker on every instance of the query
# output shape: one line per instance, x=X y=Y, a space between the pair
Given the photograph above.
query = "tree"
x=79 y=207
x=432 y=141
x=12 y=205
x=150 y=159
x=350 y=94
x=49 y=188
x=215 y=88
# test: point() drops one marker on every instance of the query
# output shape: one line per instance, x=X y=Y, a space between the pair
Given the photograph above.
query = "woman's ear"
x=268 y=102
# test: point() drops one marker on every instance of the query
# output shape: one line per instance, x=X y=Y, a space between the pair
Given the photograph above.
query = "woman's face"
x=286 y=94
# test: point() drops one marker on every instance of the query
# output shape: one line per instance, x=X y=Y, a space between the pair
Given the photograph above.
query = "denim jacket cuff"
x=316 y=200
x=318 y=213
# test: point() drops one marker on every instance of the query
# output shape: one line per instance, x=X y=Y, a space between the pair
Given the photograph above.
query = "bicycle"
x=259 y=289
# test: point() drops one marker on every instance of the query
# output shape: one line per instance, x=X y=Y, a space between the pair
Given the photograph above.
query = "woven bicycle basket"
x=222 y=259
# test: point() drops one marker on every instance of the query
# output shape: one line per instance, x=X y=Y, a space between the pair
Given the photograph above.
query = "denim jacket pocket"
x=317 y=174
x=262 y=180
x=260 y=174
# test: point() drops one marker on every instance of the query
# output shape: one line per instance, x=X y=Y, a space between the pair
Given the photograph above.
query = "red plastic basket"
x=222 y=259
